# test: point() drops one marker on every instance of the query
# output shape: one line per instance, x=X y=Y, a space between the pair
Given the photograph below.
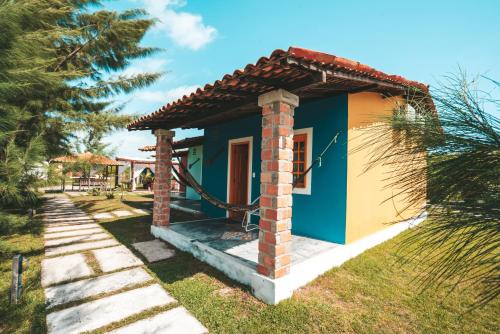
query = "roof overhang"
x=86 y=157
x=179 y=144
x=308 y=74
x=136 y=160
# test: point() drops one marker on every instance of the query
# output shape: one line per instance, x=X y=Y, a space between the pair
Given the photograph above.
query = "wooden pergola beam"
x=312 y=81
x=362 y=88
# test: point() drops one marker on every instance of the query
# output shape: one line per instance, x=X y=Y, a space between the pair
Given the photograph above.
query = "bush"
x=94 y=192
x=11 y=223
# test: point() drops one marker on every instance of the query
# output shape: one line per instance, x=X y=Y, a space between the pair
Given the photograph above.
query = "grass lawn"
x=29 y=315
x=368 y=294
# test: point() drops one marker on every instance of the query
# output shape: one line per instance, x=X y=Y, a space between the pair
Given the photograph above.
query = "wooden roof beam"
x=312 y=81
x=352 y=77
x=362 y=89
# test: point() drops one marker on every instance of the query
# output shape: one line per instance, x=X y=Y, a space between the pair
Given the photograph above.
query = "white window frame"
x=308 y=178
x=250 y=172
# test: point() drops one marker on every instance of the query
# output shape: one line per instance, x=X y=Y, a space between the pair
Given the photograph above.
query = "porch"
x=250 y=117
x=228 y=237
x=223 y=244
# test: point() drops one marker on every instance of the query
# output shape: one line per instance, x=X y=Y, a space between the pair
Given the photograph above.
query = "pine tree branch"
x=73 y=53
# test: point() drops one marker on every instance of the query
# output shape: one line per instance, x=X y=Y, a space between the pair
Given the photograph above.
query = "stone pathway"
x=154 y=250
x=91 y=281
x=120 y=214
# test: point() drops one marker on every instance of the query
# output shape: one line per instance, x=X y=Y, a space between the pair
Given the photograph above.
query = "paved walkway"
x=92 y=282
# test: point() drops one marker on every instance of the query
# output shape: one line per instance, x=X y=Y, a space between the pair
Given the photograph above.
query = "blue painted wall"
x=195 y=160
x=321 y=215
x=215 y=154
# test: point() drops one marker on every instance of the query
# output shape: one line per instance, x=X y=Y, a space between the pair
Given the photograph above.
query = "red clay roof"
x=87 y=157
x=148 y=148
x=308 y=74
x=351 y=66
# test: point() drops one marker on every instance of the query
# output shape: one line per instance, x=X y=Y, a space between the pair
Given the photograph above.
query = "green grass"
x=368 y=294
x=29 y=315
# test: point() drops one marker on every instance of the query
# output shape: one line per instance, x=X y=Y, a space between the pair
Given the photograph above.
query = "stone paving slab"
x=154 y=250
x=82 y=246
x=64 y=214
x=114 y=258
x=80 y=238
x=174 y=321
x=76 y=222
x=68 y=213
x=78 y=194
x=140 y=211
x=103 y=215
x=61 y=207
x=67 y=219
x=98 y=313
x=73 y=233
x=72 y=217
x=62 y=294
x=71 y=228
x=122 y=213
x=55 y=202
x=64 y=268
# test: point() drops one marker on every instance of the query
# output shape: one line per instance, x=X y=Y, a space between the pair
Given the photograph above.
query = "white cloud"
x=185 y=29
x=146 y=65
x=166 y=96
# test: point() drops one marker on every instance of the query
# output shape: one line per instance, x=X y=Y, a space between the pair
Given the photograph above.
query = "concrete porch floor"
x=227 y=247
x=194 y=205
x=229 y=237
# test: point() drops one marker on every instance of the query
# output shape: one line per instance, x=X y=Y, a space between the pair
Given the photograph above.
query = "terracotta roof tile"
x=291 y=70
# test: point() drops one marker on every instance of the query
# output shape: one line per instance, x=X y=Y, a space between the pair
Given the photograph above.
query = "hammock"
x=188 y=180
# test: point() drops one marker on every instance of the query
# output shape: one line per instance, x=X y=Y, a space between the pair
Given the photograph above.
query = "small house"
x=264 y=126
x=190 y=154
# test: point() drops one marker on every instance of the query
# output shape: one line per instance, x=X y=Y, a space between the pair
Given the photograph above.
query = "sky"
x=203 y=40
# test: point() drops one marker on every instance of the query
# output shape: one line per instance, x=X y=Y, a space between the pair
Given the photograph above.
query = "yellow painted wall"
x=368 y=210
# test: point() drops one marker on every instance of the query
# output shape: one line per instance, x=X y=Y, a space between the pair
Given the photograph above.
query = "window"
x=302 y=159
x=299 y=159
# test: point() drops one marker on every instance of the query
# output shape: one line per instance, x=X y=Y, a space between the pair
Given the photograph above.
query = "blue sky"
x=203 y=40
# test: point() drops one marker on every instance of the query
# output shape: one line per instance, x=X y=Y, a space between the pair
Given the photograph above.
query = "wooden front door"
x=238 y=177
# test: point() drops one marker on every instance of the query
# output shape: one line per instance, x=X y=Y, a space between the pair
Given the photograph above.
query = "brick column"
x=163 y=175
x=276 y=183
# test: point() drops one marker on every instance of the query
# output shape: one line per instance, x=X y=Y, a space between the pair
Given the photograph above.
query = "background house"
x=190 y=153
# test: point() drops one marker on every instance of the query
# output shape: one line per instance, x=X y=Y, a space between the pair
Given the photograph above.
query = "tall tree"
x=60 y=65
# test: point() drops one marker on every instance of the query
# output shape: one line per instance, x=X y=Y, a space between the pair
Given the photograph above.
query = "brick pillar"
x=163 y=175
x=276 y=183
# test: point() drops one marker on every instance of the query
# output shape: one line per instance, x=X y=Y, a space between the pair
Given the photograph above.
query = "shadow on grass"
x=181 y=266
x=138 y=204
x=86 y=206
x=28 y=316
